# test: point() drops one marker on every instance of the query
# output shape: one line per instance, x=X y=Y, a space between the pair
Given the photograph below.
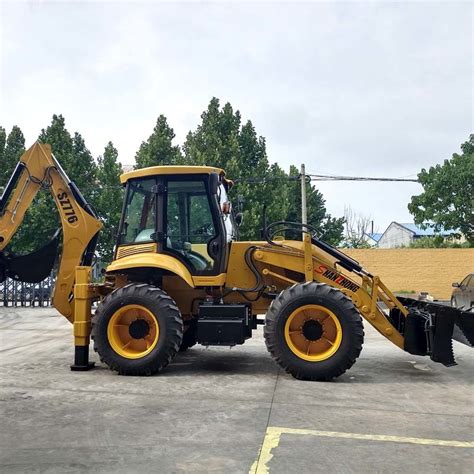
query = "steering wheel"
x=206 y=229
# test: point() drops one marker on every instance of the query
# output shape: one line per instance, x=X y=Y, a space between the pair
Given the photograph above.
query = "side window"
x=190 y=223
x=465 y=282
x=470 y=283
x=139 y=224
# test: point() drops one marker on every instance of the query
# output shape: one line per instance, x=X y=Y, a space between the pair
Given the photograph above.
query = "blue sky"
x=353 y=88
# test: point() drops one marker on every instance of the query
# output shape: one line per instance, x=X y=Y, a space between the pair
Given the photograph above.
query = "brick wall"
x=432 y=270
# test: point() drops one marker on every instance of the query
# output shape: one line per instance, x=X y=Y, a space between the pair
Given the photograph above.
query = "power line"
x=327 y=177
x=309 y=177
x=320 y=177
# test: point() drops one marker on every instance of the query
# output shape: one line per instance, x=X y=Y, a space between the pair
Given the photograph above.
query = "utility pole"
x=304 y=212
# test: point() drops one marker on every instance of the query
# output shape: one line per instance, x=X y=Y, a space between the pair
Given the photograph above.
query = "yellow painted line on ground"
x=273 y=436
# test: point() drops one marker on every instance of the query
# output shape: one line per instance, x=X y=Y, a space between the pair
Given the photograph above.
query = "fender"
x=152 y=260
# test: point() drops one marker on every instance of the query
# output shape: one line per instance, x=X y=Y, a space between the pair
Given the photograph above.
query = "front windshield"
x=226 y=210
x=140 y=213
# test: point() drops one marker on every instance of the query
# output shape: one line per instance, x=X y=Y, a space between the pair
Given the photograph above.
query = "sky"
x=348 y=88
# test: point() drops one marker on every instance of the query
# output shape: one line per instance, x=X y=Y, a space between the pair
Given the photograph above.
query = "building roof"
x=428 y=232
x=375 y=236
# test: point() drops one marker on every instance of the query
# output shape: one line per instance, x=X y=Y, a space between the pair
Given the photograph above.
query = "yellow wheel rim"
x=133 y=331
x=313 y=333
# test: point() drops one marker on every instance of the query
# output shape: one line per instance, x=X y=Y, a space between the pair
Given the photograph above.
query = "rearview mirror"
x=456 y=285
x=239 y=217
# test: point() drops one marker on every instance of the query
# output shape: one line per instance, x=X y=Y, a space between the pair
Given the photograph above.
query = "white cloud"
x=348 y=88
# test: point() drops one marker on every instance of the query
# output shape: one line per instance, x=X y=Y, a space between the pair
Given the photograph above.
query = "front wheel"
x=313 y=331
x=137 y=330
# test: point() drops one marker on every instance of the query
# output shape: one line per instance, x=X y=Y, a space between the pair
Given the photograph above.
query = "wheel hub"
x=312 y=330
x=139 y=328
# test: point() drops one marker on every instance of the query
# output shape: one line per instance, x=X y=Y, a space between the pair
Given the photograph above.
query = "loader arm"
x=39 y=169
x=417 y=327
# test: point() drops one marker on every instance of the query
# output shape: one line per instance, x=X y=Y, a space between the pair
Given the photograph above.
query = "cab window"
x=190 y=224
x=139 y=222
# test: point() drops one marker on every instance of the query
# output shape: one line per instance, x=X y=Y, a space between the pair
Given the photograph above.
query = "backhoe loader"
x=180 y=277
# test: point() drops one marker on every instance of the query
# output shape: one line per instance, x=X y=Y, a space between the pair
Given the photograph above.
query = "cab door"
x=193 y=224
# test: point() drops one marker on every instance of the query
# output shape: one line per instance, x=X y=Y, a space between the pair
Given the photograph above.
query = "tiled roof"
x=375 y=236
x=428 y=232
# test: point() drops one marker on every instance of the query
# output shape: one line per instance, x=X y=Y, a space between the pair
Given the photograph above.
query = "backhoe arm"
x=39 y=169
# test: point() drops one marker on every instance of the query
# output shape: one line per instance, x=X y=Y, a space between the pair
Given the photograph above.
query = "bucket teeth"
x=443 y=352
x=431 y=327
x=441 y=339
x=465 y=322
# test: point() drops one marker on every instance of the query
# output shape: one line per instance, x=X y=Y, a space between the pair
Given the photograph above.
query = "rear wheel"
x=137 y=330
x=313 y=331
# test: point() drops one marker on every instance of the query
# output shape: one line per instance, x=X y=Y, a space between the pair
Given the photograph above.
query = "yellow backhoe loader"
x=180 y=277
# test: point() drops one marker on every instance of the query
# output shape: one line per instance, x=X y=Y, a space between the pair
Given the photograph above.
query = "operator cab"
x=184 y=210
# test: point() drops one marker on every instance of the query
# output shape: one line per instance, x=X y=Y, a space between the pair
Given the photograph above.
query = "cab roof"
x=161 y=170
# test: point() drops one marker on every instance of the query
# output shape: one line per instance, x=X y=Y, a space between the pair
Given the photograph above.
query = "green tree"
x=251 y=161
x=42 y=219
x=447 y=199
x=329 y=229
x=82 y=169
x=109 y=201
x=213 y=143
x=72 y=154
x=220 y=140
x=159 y=148
x=59 y=138
x=3 y=170
x=11 y=150
x=437 y=241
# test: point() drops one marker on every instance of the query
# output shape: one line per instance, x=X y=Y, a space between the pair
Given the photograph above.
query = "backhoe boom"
x=39 y=169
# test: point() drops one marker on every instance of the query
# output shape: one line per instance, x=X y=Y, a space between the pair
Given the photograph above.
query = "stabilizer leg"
x=82 y=319
x=81 y=359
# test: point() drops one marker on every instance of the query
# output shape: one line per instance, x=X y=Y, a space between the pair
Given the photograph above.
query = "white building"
x=398 y=234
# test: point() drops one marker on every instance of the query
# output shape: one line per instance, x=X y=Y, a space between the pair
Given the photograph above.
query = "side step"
x=430 y=328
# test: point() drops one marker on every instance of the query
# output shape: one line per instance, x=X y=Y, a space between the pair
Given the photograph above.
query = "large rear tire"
x=313 y=331
x=137 y=330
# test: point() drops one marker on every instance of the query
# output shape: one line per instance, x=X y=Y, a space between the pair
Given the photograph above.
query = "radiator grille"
x=133 y=250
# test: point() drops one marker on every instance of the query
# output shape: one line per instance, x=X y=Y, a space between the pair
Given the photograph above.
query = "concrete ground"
x=221 y=410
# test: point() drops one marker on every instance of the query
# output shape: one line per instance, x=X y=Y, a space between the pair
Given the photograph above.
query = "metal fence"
x=17 y=293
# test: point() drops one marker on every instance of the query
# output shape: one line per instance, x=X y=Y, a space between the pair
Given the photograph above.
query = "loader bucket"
x=33 y=267
x=430 y=328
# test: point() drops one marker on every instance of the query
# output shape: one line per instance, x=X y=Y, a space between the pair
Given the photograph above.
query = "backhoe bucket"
x=33 y=267
x=430 y=328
